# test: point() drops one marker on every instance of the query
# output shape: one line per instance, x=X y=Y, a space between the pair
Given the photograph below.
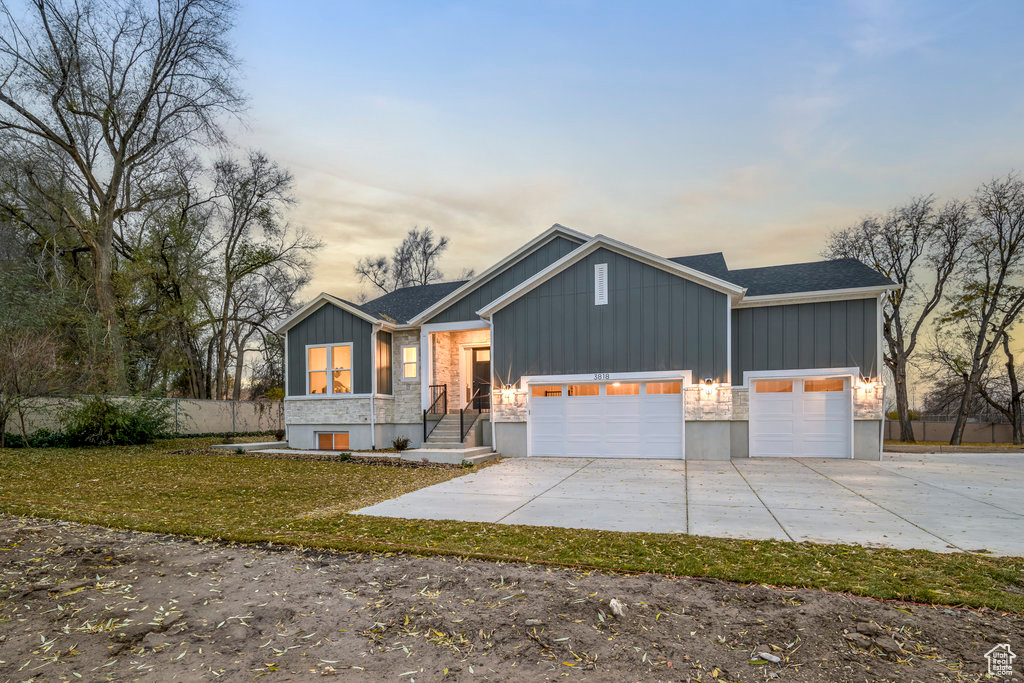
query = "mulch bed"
x=77 y=599
x=330 y=456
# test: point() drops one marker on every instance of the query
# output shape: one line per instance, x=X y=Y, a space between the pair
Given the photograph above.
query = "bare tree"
x=1006 y=395
x=261 y=261
x=376 y=270
x=414 y=262
x=918 y=248
x=424 y=250
x=100 y=97
x=990 y=295
x=28 y=362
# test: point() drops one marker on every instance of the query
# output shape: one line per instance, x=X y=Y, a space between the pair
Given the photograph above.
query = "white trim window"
x=332 y=361
x=410 y=362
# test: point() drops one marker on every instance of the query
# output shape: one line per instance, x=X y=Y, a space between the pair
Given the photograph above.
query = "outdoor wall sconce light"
x=709 y=387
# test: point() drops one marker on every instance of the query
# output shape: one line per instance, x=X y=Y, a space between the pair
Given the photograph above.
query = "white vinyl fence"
x=190 y=416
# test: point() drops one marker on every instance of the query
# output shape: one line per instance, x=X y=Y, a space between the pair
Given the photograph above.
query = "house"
x=585 y=346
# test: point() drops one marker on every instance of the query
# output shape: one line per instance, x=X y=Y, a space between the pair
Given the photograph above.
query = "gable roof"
x=404 y=303
x=816 y=276
x=469 y=285
x=599 y=242
x=319 y=300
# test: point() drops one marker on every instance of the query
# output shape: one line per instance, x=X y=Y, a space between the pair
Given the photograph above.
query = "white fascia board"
x=452 y=327
x=684 y=375
x=601 y=241
x=814 y=297
x=800 y=373
x=321 y=299
x=541 y=239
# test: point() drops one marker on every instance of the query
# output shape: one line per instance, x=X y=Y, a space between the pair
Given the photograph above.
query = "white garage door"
x=801 y=417
x=642 y=419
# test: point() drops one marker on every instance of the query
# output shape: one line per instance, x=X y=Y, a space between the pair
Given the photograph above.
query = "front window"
x=329 y=369
x=410 y=357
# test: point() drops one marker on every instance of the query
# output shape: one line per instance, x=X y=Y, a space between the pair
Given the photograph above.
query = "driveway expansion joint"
x=555 y=485
x=765 y=505
x=882 y=507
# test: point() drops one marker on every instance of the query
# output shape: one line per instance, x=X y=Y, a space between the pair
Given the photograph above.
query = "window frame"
x=402 y=361
x=331 y=370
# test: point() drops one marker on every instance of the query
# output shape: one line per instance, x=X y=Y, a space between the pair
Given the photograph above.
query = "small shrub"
x=44 y=438
x=99 y=421
x=400 y=444
x=240 y=450
x=344 y=456
x=466 y=464
x=895 y=416
x=279 y=435
x=229 y=438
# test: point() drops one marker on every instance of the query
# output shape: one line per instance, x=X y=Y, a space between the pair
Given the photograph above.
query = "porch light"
x=709 y=387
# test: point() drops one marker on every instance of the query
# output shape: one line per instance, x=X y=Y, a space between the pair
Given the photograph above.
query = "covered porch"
x=457 y=362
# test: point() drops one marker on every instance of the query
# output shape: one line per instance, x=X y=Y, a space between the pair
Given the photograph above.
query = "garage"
x=801 y=417
x=612 y=419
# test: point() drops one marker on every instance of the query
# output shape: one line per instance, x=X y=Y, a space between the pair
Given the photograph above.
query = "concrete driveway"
x=944 y=503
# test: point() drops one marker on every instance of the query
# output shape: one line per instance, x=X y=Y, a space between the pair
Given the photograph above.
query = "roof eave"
x=812 y=296
x=316 y=302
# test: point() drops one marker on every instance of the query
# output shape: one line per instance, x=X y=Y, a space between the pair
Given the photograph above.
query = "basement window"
x=600 y=284
x=332 y=441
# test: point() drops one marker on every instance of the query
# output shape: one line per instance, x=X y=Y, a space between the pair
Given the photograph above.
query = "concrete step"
x=447 y=445
x=452 y=456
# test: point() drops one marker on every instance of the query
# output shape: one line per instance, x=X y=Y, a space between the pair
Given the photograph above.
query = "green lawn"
x=305 y=503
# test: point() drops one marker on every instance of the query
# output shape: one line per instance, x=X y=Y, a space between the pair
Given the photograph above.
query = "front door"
x=481 y=392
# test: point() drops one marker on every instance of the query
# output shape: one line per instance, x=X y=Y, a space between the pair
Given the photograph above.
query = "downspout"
x=285 y=398
x=881 y=372
x=494 y=443
x=373 y=383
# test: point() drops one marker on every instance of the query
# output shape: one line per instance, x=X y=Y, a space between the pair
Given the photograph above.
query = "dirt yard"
x=86 y=603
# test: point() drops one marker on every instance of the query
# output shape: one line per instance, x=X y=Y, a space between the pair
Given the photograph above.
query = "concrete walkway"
x=944 y=503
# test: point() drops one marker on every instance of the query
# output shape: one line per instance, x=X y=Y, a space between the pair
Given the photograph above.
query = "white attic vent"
x=600 y=284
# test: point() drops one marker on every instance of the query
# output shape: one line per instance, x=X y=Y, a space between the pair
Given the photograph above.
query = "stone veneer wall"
x=408 y=400
x=449 y=365
x=508 y=408
x=724 y=403
x=337 y=411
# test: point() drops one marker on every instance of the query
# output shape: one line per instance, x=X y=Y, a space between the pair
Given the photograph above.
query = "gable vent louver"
x=600 y=284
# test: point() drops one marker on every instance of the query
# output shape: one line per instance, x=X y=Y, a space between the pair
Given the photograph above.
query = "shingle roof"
x=712 y=264
x=844 y=273
x=402 y=304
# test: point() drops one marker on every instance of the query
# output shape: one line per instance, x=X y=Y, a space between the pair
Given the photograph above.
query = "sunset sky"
x=751 y=128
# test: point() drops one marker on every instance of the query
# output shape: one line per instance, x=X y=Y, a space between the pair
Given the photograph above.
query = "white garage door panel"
x=632 y=426
x=816 y=424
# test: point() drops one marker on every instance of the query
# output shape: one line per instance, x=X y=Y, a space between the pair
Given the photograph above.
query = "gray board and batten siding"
x=653 y=321
x=329 y=325
x=830 y=334
x=465 y=307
